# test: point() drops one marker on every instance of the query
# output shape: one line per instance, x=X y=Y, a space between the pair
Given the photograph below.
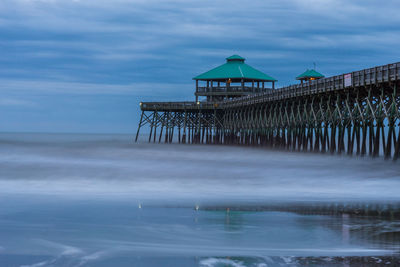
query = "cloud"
x=9 y=102
x=40 y=87
x=152 y=48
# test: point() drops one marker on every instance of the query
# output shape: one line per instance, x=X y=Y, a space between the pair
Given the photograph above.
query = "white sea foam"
x=212 y=262
x=61 y=249
x=120 y=169
x=38 y=264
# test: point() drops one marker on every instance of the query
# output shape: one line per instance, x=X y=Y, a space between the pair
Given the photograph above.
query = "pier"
x=355 y=113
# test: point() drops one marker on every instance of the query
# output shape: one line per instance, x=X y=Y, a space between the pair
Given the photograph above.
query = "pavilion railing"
x=232 y=89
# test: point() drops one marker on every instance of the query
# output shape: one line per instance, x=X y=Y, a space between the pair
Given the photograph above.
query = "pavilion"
x=309 y=75
x=232 y=79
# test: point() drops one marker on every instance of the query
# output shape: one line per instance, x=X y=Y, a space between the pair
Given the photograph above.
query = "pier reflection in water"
x=119 y=233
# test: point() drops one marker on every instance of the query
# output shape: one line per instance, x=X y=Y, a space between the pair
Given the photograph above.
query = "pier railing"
x=371 y=76
x=177 y=106
x=231 y=89
x=366 y=77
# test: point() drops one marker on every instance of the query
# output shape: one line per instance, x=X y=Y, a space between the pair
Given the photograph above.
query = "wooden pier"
x=354 y=113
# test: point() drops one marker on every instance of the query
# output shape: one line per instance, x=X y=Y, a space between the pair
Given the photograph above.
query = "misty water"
x=102 y=200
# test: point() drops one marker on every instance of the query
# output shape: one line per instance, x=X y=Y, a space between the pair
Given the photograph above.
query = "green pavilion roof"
x=310 y=74
x=234 y=68
x=235 y=57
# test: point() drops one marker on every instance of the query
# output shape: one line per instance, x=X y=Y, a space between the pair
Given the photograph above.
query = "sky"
x=83 y=66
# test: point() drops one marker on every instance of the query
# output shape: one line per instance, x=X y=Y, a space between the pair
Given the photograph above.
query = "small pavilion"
x=309 y=75
x=232 y=79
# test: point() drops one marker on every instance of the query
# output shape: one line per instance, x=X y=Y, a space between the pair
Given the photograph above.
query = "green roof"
x=234 y=68
x=310 y=74
x=235 y=57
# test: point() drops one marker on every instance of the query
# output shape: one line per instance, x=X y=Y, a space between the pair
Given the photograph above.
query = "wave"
x=116 y=168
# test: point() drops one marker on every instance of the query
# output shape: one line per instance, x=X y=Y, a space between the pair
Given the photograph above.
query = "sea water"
x=103 y=200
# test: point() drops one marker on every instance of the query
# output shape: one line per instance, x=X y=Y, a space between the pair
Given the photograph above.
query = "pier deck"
x=357 y=112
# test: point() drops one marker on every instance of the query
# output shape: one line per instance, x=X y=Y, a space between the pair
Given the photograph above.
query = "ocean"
x=103 y=200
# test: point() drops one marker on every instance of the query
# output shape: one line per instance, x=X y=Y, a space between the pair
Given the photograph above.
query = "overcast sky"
x=84 y=65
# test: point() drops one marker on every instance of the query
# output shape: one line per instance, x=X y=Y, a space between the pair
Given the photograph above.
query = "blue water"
x=101 y=200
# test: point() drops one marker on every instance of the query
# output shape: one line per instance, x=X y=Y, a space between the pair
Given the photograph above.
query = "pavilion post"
x=197 y=90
